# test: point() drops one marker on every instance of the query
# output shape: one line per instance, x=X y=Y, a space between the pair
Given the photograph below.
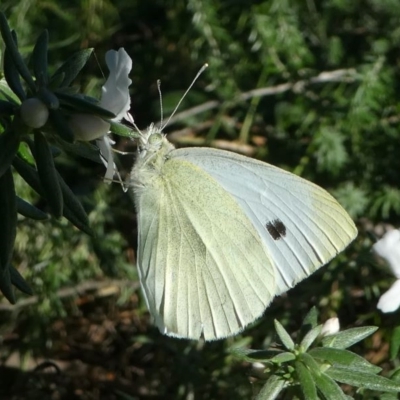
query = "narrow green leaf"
x=81 y=149
x=6 y=108
x=306 y=381
x=328 y=387
x=8 y=218
x=48 y=174
x=5 y=284
x=7 y=94
x=11 y=46
x=12 y=77
x=255 y=355
x=61 y=126
x=29 y=175
x=72 y=202
x=48 y=98
x=77 y=222
x=395 y=342
x=311 y=364
x=310 y=337
x=345 y=358
x=363 y=379
x=25 y=153
x=39 y=59
x=311 y=319
x=123 y=130
x=283 y=358
x=284 y=336
x=30 y=211
x=83 y=106
x=71 y=68
x=19 y=282
x=272 y=388
x=347 y=338
x=9 y=143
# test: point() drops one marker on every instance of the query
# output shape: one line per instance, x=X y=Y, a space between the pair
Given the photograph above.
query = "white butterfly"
x=221 y=234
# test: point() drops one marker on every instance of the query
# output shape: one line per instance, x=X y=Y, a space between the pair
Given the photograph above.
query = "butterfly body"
x=221 y=234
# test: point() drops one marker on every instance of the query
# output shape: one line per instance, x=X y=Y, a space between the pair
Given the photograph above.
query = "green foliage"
x=314 y=367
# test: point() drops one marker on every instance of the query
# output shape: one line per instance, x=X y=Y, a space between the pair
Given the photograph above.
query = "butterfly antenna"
x=202 y=69
x=161 y=104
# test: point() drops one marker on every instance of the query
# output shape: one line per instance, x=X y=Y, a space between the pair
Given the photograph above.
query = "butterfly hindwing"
x=203 y=266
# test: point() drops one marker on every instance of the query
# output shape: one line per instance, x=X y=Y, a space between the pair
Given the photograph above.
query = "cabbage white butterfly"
x=221 y=234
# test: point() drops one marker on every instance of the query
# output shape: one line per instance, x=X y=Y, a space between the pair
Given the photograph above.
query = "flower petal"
x=389 y=248
x=390 y=300
x=104 y=144
x=115 y=92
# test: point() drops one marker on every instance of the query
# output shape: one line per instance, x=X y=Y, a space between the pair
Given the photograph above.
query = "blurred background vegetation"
x=310 y=86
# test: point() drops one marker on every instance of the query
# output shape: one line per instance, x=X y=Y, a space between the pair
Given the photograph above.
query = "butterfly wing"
x=203 y=267
x=301 y=225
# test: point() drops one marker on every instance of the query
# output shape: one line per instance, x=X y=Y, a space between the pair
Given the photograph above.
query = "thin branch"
x=339 y=75
x=100 y=289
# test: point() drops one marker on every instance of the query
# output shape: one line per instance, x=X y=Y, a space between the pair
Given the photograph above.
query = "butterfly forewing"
x=301 y=225
x=204 y=268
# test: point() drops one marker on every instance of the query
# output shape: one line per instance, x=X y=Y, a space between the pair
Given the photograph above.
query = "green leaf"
x=28 y=210
x=363 y=379
x=25 y=153
x=9 y=143
x=6 y=108
x=71 y=217
x=81 y=149
x=328 y=387
x=19 y=282
x=255 y=355
x=347 y=338
x=395 y=342
x=123 y=130
x=71 y=201
x=5 y=284
x=48 y=174
x=7 y=94
x=48 y=98
x=71 y=68
x=283 y=358
x=11 y=46
x=61 y=126
x=12 y=77
x=284 y=336
x=310 y=321
x=306 y=381
x=84 y=106
x=29 y=175
x=310 y=337
x=39 y=59
x=343 y=358
x=311 y=364
x=8 y=218
x=272 y=388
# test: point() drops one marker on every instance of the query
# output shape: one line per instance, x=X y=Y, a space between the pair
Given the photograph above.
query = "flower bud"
x=330 y=327
x=34 y=112
x=88 y=127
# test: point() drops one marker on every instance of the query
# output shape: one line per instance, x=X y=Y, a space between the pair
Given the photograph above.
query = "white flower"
x=389 y=249
x=115 y=98
x=330 y=327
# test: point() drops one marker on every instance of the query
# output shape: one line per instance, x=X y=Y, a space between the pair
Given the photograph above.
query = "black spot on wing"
x=276 y=229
